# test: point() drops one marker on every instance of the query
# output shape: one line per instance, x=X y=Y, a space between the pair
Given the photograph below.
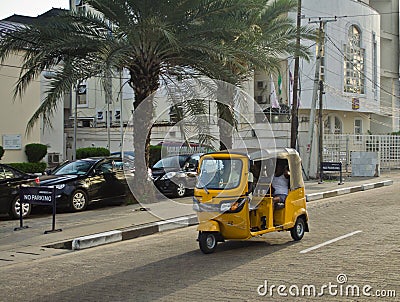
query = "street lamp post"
x=75 y=120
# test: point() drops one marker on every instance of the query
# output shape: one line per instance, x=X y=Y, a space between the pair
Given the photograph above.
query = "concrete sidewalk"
x=111 y=224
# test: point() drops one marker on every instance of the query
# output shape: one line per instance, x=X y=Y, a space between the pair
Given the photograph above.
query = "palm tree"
x=276 y=33
x=154 y=40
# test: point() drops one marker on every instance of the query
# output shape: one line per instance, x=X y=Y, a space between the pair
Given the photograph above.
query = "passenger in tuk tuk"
x=280 y=183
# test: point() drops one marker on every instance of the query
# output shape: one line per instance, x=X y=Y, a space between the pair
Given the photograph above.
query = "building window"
x=260 y=84
x=358 y=129
x=332 y=125
x=82 y=95
x=354 y=63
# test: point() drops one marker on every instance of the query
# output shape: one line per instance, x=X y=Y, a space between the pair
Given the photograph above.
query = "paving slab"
x=110 y=224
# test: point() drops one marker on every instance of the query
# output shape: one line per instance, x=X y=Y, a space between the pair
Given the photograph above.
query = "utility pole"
x=314 y=99
x=295 y=117
x=121 y=122
x=75 y=120
x=108 y=90
x=321 y=130
x=317 y=86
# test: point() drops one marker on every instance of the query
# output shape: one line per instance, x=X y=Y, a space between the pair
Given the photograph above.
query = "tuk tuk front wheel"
x=207 y=242
x=297 y=231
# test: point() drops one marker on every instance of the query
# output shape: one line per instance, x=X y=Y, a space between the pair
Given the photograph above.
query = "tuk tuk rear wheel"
x=297 y=232
x=207 y=242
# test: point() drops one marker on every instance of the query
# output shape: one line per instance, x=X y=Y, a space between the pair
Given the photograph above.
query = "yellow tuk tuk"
x=234 y=197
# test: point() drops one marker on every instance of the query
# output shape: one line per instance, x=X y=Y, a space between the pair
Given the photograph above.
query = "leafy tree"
x=154 y=40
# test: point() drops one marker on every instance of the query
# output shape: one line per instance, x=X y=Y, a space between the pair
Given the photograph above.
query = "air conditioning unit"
x=117 y=115
x=100 y=116
x=53 y=159
x=80 y=5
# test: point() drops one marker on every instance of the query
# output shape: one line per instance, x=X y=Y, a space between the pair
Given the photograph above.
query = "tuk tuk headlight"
x=233 y=206
x=226 y=206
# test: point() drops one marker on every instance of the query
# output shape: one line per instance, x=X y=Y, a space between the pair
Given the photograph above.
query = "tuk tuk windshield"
x=219 y=173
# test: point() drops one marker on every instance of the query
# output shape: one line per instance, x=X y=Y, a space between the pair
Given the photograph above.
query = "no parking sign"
x=39 y=196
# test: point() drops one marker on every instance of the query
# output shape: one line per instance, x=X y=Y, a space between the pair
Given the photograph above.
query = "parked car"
x=81 y=182
x=10 y=180
x=127 y=154
x=176 y=175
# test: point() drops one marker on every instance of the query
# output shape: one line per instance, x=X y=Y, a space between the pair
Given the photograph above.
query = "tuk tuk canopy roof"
x=292 y=156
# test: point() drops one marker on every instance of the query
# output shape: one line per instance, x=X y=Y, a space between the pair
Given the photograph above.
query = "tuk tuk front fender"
x=303 y=213
x=209 y=226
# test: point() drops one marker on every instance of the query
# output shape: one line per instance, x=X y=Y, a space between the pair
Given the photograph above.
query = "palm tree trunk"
x=144 y=85
x=226 y=118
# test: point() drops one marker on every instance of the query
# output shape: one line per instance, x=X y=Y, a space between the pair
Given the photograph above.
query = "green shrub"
x=35 y=152
x=1 y=152
x=29 y=167
x=91 y=152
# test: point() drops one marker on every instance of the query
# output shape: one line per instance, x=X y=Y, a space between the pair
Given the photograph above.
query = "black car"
x=176 y=175
x=10 y=180
x=81 y=182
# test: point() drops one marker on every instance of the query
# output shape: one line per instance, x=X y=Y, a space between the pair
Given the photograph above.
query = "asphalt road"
x=353 y=244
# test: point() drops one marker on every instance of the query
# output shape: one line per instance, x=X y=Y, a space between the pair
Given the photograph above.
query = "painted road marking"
x=328 y=242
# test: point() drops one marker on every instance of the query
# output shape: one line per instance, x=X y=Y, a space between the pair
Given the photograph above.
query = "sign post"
x=333 y=167
x=21 y=221
x=40 y=196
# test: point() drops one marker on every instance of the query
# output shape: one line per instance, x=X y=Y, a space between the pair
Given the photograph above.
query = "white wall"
x=336 y=37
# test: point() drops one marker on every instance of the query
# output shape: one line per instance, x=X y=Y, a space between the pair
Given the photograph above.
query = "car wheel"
x=180 y=190
x=16 y=207
x=79 y=201
x=207 y=242
x=297 y=231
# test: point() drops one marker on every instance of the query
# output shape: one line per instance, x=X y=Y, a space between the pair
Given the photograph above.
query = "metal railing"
x=338 y=148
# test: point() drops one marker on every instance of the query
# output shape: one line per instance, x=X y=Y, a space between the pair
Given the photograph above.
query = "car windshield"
x=219 y=173
x=171 y=162
x=79 y=167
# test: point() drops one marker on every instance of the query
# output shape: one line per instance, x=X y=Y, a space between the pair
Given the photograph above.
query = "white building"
x=15 y=114
x=359 y=70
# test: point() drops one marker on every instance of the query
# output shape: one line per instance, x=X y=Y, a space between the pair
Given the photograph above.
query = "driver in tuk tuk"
x=280 y=183
x=232 y=169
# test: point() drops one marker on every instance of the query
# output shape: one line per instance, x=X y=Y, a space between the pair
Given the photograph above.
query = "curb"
x=131 y=233
x=94 y=240
x=334 y=193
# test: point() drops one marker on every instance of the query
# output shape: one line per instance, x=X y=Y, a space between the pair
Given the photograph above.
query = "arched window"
x=354 y=62
x=332 y=125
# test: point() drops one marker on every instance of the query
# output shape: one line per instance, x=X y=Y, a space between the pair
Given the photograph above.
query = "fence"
x=338 y=148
